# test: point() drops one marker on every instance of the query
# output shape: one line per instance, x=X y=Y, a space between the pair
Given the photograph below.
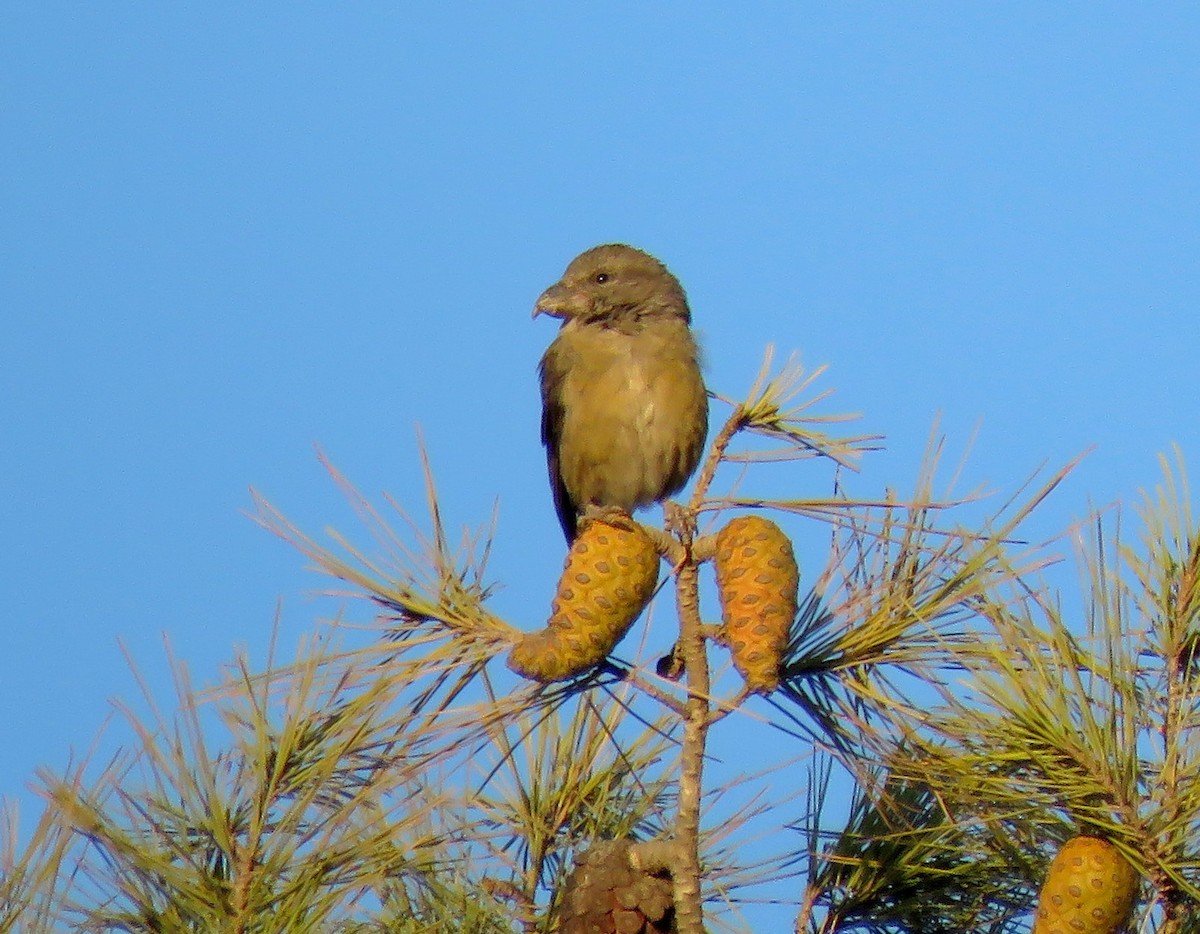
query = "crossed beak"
x=558 y=301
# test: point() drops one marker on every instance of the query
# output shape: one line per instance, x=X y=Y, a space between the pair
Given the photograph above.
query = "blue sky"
x=231 y=233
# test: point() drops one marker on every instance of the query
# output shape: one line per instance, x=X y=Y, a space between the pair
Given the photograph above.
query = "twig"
x=689 y=911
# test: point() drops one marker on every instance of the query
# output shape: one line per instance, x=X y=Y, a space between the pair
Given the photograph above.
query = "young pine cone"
x=609 y=577
x=604 y=895
x=758 y=582
x=1089 y=889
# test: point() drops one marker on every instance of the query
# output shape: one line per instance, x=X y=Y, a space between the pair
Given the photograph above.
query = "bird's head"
x=613 y=282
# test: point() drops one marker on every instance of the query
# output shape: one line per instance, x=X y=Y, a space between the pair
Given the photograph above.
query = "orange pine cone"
x=1089 y=889
x=609 y=577
x=604 y=895
x=758 y=581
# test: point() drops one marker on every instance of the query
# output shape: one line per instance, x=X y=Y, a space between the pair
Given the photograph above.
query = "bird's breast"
x=642 y=396
x=630 y=412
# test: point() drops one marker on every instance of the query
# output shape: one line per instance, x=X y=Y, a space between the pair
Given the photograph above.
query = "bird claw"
x=610 y=515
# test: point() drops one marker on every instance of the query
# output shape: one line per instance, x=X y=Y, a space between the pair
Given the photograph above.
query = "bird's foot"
x=610 y=515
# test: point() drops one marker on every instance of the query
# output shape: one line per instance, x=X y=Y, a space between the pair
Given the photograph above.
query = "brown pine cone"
x=758 y=581
x=1089 y=889
x=609 y=577
x=604 y=895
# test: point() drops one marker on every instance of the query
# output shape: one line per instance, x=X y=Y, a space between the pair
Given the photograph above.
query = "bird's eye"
x=601 y=277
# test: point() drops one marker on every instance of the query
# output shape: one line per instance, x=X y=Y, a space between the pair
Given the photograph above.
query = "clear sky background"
x=231 y=232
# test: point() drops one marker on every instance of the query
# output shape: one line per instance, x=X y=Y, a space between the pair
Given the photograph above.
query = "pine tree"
x=940 y=724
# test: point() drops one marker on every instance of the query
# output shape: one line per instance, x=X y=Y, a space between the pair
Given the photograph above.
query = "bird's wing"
x=553 y=413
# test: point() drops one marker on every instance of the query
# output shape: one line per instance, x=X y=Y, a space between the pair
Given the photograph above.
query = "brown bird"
x=624 y=409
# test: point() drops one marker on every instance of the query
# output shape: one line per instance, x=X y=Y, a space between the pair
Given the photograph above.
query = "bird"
x=624 y=406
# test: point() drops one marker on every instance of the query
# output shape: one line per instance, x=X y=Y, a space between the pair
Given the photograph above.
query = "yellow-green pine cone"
x=758 y=581
x=604 y=895
x=1090 y=889
x=609 y=577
